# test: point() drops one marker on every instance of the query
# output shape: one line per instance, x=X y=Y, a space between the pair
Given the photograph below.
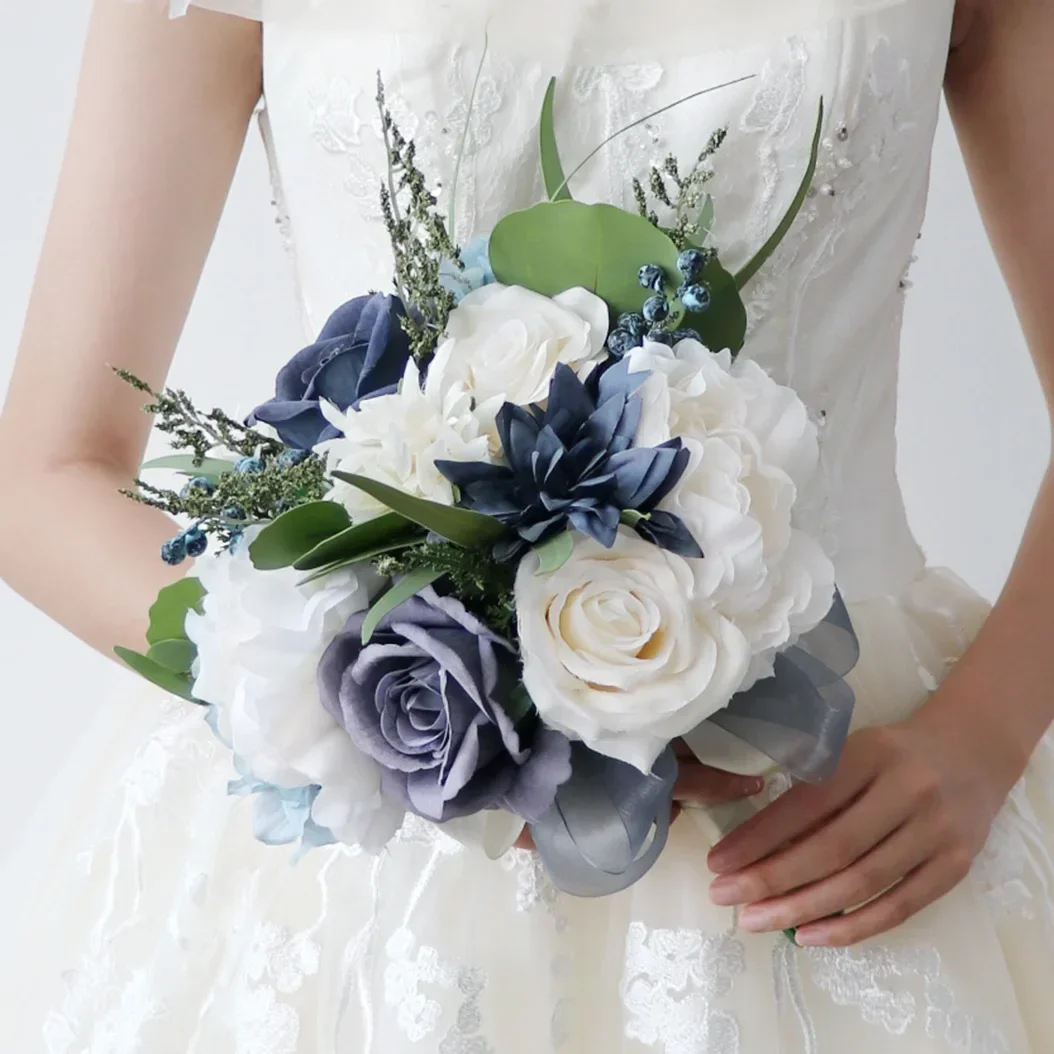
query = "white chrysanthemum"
x=260 y=638
x=504 y=344
x=618 y=650
x=397 y=439
x=752 y=448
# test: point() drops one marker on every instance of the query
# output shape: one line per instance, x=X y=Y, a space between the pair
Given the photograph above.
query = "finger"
x=903 y=852
x=791 y=816
x=839 y=842
x=701 y=785
x=921 y=888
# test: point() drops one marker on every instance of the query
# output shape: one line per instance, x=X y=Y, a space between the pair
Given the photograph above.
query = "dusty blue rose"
x=425 y=699
x=362 y=351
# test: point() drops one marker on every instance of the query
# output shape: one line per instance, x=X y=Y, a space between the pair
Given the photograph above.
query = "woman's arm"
x=912 y=805
x=161 y=115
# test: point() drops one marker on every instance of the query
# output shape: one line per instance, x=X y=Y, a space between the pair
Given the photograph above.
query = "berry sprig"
x=266 y=480
x=687 y=197
x=420 y=239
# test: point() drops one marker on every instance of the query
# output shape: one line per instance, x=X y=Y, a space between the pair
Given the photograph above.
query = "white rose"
x=260 y=638
x=695 y=393
x=621 y=652
x=752 y=447
x=397 y=439
x=504 y=344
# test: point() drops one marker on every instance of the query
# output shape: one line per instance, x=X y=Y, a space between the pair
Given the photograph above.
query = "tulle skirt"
x=154 y=924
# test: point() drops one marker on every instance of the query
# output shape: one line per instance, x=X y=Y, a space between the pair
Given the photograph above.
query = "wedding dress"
x=161 y=927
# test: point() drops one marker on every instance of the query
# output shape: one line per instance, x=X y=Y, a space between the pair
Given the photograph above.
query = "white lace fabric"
x=544 y=30
x=163 y=928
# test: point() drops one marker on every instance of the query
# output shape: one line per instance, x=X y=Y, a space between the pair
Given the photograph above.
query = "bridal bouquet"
x=500 y=538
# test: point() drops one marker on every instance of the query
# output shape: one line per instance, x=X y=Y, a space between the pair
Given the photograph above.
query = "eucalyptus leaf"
x=553 y=554
x=552 y=167
x=296 y=532
x=471 y=530
x=177 y=655
x=724 y=323
x=209 y=468
x=174 y=683
x=391 y=531
x=558 y=245
x=408 y=586
x=766 y=251
x=168 y=614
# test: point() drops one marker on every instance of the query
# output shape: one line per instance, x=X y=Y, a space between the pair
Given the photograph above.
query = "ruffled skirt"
x=154 y=924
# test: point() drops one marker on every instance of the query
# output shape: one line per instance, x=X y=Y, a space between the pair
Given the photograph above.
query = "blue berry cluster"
x=693 y=293
x=191 y=542
x=632 y=330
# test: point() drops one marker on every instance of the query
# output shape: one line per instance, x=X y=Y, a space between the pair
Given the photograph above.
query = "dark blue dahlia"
x=574 y=464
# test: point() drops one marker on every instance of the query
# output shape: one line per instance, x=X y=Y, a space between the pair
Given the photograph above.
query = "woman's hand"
x=697 y=784
x=896 y=828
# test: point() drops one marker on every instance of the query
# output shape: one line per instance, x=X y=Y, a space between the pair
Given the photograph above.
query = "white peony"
x=621 y=651
x=260 y=638
x=397 y=439
x=752 y=448
x=504 y=344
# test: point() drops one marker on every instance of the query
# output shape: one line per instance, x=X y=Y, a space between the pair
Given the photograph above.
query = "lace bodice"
x=825 y=311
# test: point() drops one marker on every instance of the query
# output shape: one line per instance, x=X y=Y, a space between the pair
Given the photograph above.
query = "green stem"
x=452 y=220
x=647 y=117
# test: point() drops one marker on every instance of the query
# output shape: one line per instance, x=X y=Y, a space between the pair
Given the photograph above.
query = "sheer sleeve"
x=605 y=30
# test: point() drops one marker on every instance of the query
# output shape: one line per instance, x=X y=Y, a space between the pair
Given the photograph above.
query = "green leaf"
x=784 y=227
x=559 y=245
x=210 y=468
x=364 y=556
x=630 y=517
x=408 y=586
x=174 y=683
x=724 y=323
x=553 y=554
x=296 y=532
x=552 y=168
x=390 y=530
x=704 y=222
x=177 y=655
x=169 y=612
x=471 y=530
x=519 y=704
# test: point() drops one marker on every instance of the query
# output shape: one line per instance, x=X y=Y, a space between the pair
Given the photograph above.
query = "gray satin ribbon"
x=800 y=717
x=610 y=822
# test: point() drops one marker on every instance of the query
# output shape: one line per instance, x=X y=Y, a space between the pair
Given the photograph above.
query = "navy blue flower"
x=574 y=464
x=362 y=351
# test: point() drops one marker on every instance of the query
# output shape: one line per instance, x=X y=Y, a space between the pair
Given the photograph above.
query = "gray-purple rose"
x=425 y=699
x=362 y=351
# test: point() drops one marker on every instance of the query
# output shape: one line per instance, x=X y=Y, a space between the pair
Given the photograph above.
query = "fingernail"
x=807 y=939
x=758 y=920
x=726 y=892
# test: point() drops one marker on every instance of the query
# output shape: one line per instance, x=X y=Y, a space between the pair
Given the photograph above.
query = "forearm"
x=1003 y=687
x=99 y=577
x=161 y=115
x=999 y=78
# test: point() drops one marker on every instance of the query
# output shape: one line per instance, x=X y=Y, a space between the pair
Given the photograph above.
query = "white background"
x=973 y=429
